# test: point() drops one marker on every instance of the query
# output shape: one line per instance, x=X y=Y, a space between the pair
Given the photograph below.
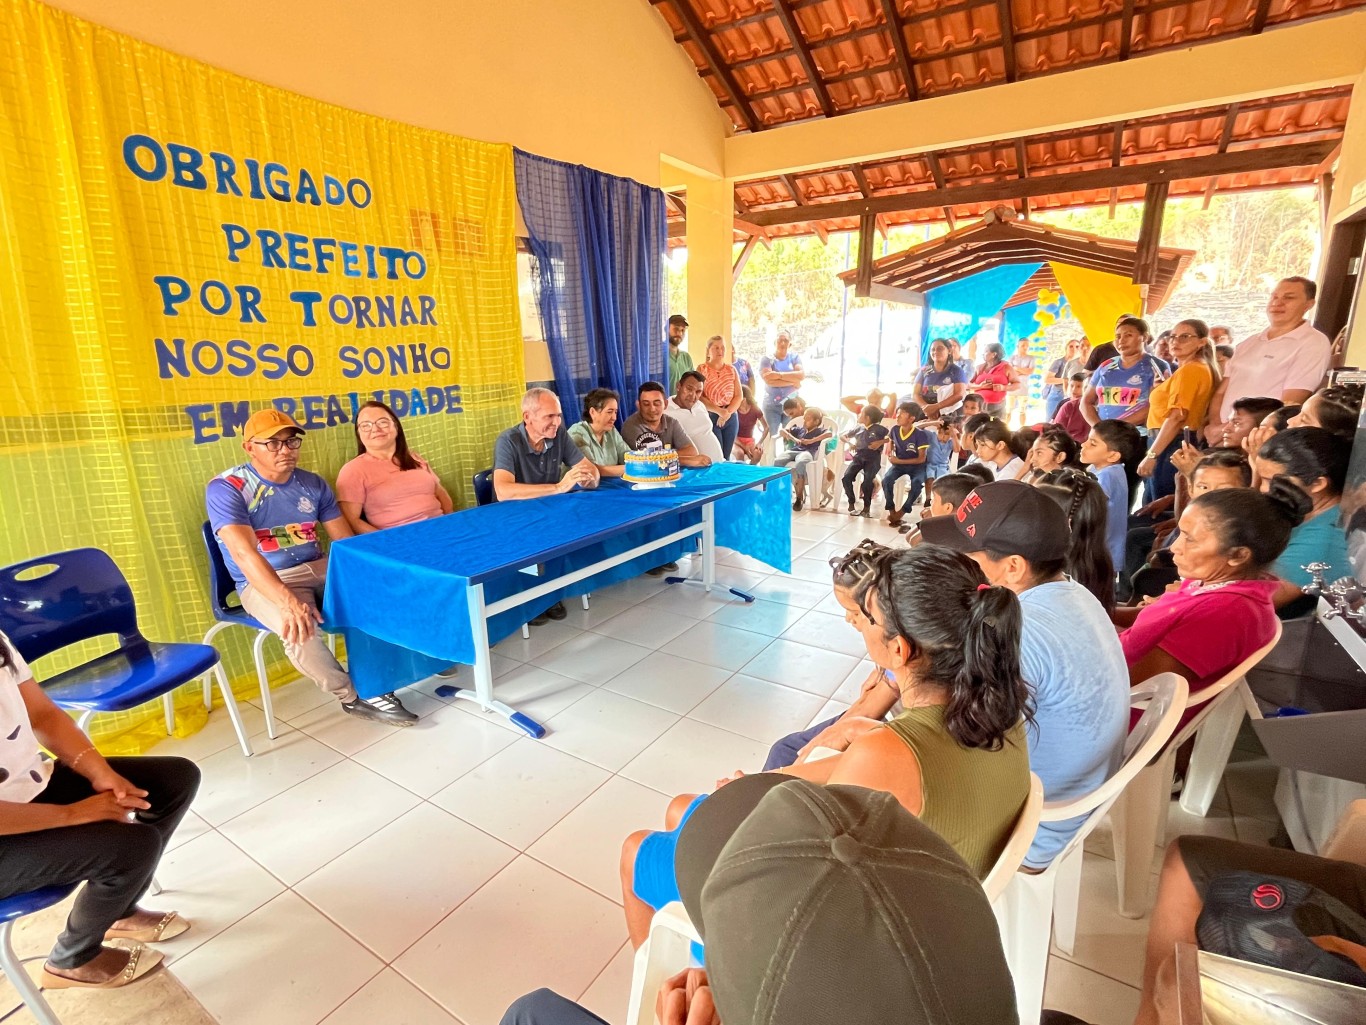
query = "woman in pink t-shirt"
x=1222 y=611
x=387 y=485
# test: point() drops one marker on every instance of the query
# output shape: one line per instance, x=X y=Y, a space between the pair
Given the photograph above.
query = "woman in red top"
x=993 y=378
x=1222 y=611
x=721 y=394
x=749 y=416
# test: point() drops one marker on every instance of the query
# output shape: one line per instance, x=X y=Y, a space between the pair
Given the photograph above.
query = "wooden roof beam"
x=1240 y=161
x=861 y=178
x=790 y=183
x=1006 y=16
x=1260 y=16
x=1225 y=137
x=702 y=40
x=788 y=19
x=896 y=28
x=1126 y=29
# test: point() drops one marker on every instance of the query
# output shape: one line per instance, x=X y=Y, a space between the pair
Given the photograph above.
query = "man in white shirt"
x=1287 y=361
x=692 y=415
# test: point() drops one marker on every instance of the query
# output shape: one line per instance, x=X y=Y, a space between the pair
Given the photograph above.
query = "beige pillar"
x=711 y=247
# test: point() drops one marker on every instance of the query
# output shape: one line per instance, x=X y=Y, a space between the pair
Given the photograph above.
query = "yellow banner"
x=1098 y=299
x=182 y=246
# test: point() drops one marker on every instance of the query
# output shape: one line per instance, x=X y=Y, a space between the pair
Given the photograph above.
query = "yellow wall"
x=597 y=82
x=1350 y=177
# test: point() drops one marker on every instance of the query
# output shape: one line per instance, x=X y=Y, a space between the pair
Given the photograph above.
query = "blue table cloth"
x=401 y=596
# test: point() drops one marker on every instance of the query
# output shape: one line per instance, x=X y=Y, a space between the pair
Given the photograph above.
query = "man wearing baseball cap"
x=1069 y=650
x=265 y=514
x=820 y=905
x=680 y=362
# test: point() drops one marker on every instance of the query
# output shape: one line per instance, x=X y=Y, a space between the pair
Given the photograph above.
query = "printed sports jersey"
x=907 y=444
x=936 y=385
x=284 y=517
x=862 y=437
x=1119 y=389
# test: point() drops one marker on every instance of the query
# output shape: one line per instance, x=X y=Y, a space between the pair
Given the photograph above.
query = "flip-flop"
x=141 y=960
x=170 y=926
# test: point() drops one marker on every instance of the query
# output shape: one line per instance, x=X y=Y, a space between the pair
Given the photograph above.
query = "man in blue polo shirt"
x=265 y=514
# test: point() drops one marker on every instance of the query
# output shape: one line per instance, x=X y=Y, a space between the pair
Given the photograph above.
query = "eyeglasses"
x=1185 y=336
x=275 y=444
x=383 y=423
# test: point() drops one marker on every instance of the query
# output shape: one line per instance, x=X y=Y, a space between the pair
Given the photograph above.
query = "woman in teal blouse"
x=597 y=435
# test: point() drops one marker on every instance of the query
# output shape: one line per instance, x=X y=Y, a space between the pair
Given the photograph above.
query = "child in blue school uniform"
x=866 y=441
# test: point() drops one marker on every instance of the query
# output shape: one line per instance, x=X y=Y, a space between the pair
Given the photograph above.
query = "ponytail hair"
x=1088 y=560
x=996 y=431
x=1057 y=439
x=1259 y=521
x=1339 y=409
x=965 y=637
x=1308 y=453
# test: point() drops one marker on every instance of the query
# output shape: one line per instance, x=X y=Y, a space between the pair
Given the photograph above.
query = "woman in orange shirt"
x=721 y=394
x=1181 y=402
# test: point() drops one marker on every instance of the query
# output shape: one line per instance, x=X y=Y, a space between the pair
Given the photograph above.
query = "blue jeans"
x=546 y=1007
x=725 y=436
x=1163 y=481
x=784 y=752
x=1051 y=403
x=917 y=475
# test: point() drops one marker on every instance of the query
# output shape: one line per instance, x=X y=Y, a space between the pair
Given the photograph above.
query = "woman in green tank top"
x=956 y=756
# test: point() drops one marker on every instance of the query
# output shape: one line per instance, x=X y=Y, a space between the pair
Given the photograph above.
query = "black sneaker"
x=386 y=708
x=557 y=611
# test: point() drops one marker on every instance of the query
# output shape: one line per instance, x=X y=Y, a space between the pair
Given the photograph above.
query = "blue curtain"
x=956 y=310
x=599 y=244
x=1019 y=322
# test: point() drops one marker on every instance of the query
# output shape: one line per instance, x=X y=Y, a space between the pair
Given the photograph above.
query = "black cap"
x=679 y=320
x=1006 y=516
x=823 y=904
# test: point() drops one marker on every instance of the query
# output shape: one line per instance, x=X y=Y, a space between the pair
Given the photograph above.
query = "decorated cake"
x=655 y=467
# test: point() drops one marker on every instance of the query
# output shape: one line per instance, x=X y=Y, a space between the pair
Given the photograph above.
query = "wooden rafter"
x=863 y=277
x=937 y=176
x=1237 y=162
x=1150 y=233
x=1225 y=137
x=861 y=179
x=896 y=28
x=743 y=258
x=788 y=18
x=1126 y=29
x=1116 y=155
x=790 y=183
x=702 y=40
x=1006 y=16
x=1260 y=16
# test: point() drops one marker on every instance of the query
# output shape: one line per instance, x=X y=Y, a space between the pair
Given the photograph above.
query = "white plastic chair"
x=1021 y=837
x=1139 y=816
x=816 y=495
x=666 y=951
x=1030 y=908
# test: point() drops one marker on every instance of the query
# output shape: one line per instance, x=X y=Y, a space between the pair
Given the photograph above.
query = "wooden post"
x=863 y=279
x=1150 y=234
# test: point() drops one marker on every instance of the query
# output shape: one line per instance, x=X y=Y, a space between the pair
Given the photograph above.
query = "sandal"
x=140 y=961
x=170 y=926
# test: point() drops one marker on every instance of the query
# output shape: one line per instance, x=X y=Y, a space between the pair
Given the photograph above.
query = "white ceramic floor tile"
x=768 y=618
x=757 y=709
x=853 y=683
x=345 y=733
x=293 y=966
x=803 y=594
x=233 y=784
x=528 y=927
x=1107 y=942
x=824 y=551
x=601 y=608
x=610 y=994
x=433 y=753
x=521 y=791
x=1088 y=995
x=744 y=562
x=725 y=647
x=808 y=528
x=829 y=605
x=690 y=600
x=802 y=667
x=542 y=639
x=592 y=658
x=692 y=756
x=832 y=633
x=213 y=884
x=668 y=681
x=586 y=844
x=217 y=734
x=340 y=806
x=391 y=888
x=391 y=999
x=645 y=625
x=816 y=571
x=191 y=828
x=532 y=691
x=607 y=729
x=294 y=699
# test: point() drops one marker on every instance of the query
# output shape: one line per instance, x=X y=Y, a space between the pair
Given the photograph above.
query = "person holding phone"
x=1180 y=403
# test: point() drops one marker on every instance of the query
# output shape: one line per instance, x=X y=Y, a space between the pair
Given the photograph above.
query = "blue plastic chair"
x=483 y=488
x=21 y=905
x=221 y=588
x=57 y=600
